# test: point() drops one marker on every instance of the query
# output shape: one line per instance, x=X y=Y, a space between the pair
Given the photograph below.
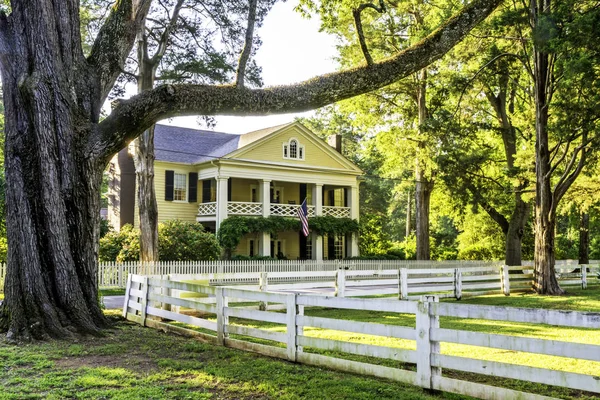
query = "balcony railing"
x=281 y=210
x=337 y=212
x=205 y=209
x=244 y=208
x=289 y=210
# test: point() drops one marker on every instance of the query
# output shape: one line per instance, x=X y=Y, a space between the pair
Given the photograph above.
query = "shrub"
x=120 y=246
x=3 y=249
x=186 y=241
x=177 y=241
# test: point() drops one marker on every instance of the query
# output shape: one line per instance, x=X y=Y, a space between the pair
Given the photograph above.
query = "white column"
x=265 y=197
x=317 y=197
x=317 y=241
x=265 y=244
x=317 y=247
x=352 y=247
x=221 y=199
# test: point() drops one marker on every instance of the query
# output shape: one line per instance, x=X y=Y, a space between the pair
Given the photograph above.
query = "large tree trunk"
x=52 y=196
x=545 y=281
x=424 y=185
x=143 y=159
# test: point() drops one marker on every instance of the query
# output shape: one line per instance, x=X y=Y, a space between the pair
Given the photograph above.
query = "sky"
x=293 y=50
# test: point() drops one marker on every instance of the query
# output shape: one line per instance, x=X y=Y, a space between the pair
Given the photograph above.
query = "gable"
x=315 y=152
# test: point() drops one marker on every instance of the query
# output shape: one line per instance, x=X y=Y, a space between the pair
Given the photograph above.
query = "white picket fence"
x=114 y=275
x=149 y=301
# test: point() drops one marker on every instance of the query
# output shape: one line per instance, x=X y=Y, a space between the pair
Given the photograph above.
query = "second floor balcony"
x=243 y=208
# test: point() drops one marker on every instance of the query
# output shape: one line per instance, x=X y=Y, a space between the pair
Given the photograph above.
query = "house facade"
x=207 y=177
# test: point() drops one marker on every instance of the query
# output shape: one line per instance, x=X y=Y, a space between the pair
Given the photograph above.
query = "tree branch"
x=115 y=41
x=243 y=61
x=359 y=29
x=164 y=37
x=132 y=116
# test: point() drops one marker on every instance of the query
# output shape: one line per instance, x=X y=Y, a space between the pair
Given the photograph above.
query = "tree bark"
x=143 y=159
x=408 y=214
x=56 y=147
x=53 y=187
x=584 y=238
x=424 y=184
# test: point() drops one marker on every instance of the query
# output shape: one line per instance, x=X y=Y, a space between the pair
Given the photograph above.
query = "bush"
x=186 y=241
x=120 y=246
x=177 y=241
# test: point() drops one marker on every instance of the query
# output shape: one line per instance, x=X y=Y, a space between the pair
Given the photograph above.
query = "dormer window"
x=293 y=150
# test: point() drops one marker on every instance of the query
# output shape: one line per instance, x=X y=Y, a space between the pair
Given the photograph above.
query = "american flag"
x=303 y=215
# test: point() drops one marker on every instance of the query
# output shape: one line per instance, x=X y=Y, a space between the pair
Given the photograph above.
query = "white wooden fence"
x=115 y=274
x=148 y=300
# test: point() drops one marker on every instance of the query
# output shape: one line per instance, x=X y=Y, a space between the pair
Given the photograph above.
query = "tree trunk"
x=584 y=238
x=408 y=215
x=143 y=159
x=516 y=228
x=424 y=186
x=53 y=186
x=545 y=281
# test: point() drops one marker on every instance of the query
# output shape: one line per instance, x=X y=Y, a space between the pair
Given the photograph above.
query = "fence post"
x=263 y=282
x=291 y=327
x=340 y=283
x=165 y=291
x=299 y=328
x=222 y=320
x=144 y=299
x=126 y=302
x=457 y=283
x=505 y=281
x=403 y=284
x=584 y=268
x=426 y=349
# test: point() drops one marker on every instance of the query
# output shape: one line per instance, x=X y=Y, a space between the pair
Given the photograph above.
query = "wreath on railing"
x=233 y=229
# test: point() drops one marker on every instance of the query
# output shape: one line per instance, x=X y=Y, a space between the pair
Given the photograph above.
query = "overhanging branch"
x=136 y=114
x=115 y=41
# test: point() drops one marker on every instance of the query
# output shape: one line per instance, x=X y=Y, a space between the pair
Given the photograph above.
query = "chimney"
x=335 y=141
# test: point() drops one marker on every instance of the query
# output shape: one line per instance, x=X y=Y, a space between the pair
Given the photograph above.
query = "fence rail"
x=150 y=298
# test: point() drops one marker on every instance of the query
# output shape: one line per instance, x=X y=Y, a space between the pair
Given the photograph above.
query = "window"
x=308 y=254
x=293 y=150
x=338 y=247
x=179 y=187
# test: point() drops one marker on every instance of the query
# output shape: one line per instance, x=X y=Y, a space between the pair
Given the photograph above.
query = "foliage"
x=105 y=227
x=233 y=229
x=3 y=249
x=186 y=241
x=120 y=246
x=177 y=241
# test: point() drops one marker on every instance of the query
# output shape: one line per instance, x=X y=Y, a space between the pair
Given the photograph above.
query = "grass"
x=132 y=362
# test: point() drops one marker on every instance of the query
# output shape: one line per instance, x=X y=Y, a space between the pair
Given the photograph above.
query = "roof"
x=192 y=146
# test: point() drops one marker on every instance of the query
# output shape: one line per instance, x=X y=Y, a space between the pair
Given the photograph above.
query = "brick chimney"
x=335 y=141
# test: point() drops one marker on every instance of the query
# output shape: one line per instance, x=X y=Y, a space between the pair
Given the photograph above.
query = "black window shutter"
x=346 y=197
x=302 y=192
x=193 y=187
x=169 y=182
x=206 y=191
x=229 y=189
x=332 y=197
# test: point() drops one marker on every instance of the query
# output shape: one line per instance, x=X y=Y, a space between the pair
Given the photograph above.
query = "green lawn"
x=132 y=362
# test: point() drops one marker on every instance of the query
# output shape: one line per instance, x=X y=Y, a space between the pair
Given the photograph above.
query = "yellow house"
x=208 y=176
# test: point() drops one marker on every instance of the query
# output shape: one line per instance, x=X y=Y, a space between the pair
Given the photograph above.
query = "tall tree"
x=165 y=52
x=565 y=52
x=57 y=147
